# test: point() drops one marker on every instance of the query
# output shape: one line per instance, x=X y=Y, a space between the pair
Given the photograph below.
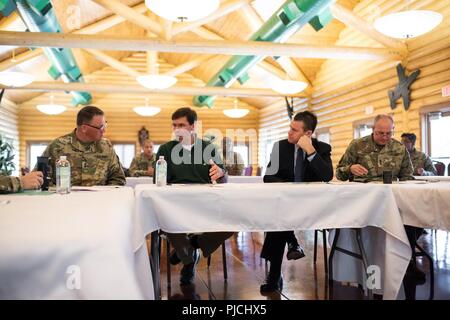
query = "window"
x=438 y=137
x=265 y=155
x=35 y=149
x=125 y=152
x=243 y=151
x=363 y=130
x=323 y=136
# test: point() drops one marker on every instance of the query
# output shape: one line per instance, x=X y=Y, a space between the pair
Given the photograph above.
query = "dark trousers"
x=273 y=248
x=208 y=243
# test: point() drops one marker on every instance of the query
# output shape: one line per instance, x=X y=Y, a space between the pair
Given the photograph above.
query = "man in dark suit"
x=299 y=158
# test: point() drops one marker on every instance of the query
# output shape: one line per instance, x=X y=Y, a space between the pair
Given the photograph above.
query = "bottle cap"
x=63 y=158
x=161 y=157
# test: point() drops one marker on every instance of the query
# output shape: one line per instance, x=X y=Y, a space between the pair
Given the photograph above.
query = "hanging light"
x=182 y=10
x=51 y=108
x=408 y=24
x=288 y=86
x=156 y=81
x=15 y=79
x=236 y=112
x=146 y=111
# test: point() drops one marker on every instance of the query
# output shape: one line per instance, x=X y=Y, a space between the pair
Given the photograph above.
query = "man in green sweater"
x=191 y=160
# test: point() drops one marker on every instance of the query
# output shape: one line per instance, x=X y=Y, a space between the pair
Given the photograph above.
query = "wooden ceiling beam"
x=93 y=28
x=131 y=15
x=112 y=62
x=120 y=88
x=224 y=9
x=286 y=63
x=350 y=19
x=108 y=42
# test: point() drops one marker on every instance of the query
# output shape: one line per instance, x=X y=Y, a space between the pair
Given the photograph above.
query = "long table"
x=280 y=207
x=75 y=246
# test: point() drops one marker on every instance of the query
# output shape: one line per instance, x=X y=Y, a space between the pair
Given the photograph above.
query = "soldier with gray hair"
x=92 y=158
x=365 y=160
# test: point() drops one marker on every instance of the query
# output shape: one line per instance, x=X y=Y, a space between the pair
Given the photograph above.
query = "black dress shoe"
x=174 y=259
x=271 y=284
x=294 y=252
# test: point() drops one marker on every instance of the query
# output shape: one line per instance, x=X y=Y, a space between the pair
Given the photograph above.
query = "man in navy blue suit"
x=299 y=158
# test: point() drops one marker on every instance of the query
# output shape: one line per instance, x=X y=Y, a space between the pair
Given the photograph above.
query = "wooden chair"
x=440 y=168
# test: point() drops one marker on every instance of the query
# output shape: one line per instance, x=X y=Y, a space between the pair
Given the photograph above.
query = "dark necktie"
x=299 y=165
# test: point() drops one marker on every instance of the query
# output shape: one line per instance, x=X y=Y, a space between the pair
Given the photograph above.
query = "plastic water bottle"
x=161 y=172
x=63 y=175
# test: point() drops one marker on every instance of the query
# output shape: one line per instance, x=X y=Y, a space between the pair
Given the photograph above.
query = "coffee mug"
x=387 y=177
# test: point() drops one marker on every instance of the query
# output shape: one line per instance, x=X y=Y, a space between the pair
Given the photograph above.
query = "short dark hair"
x=309 y=120
x=86 y=114
x=410 y=136
x=190 y=115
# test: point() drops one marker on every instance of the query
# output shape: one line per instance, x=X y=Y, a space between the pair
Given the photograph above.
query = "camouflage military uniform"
x=421 y=160
x=364 y=151
x=93 y=163
x=9 y=184
x=140 y=164
x=234 y=165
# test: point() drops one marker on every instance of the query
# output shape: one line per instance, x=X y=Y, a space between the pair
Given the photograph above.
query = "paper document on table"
x=413 y=182
x=343 y=182
x=81 y=189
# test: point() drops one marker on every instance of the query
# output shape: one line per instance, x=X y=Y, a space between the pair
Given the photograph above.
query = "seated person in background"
x=299 y=158
x=188 y=161
x=142 y=165
x=234 y=165
x=92 y=158
x=30 y=181
x=365 y=160
x=422 y=164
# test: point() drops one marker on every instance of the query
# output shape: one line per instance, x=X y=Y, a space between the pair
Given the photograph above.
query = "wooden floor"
x=302 y=278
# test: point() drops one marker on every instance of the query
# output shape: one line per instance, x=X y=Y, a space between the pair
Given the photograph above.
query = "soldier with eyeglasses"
x=92 y=158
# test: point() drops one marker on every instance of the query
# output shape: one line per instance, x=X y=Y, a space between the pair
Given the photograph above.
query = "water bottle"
x=63 y=175
x=161 y=172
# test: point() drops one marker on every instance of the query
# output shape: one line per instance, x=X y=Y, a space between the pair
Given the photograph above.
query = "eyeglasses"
x=384 y=134
x=102 y=127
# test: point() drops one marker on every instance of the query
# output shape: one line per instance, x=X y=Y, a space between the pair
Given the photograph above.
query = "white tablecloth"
x=134 y=181
x=433 y=178
x=425 y=205
x=49 y=240
x=245 y=179
x=278 y=207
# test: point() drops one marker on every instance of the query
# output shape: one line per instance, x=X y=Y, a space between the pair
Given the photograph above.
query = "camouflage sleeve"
x=348 y=159
x=10 y=184
x=428 y=167
x=116 y=176
x=134 y=170
x=406 y=168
